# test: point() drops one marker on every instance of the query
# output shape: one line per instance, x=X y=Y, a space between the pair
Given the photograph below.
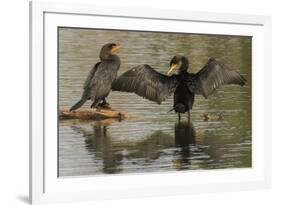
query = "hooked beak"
x=173 y=67
x=115 y=48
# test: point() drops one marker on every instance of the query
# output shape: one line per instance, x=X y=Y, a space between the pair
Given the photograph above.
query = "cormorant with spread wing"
x=155 y=86
x=98 y=83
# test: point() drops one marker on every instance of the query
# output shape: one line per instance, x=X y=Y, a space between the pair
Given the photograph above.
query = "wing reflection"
x=151 y=151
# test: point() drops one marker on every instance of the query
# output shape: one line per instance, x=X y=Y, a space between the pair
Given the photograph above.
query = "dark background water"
x=156 y=141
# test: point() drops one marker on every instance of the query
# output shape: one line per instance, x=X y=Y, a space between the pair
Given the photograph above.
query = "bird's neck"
x=108 y=57
x=183 y=66
x=182 y=70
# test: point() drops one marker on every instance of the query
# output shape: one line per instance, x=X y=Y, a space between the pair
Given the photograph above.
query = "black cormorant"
x=98 y=83
x=148 y=83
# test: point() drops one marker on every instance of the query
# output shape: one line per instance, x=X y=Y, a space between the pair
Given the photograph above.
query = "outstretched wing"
x=146 y=82
x=213 y=75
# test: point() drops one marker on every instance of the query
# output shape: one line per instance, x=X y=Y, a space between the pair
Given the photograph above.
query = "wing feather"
x=146 y=82
x=213 y=75
x=90 y=76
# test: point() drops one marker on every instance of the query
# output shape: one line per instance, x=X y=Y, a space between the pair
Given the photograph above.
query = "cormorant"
x=155 y=86
x=98 y=83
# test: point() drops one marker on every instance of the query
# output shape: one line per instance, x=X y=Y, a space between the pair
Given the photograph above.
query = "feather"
x=146 y=82
x=215 y=74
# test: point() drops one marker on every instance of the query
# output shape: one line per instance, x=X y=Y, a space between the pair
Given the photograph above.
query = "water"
x=155 y=141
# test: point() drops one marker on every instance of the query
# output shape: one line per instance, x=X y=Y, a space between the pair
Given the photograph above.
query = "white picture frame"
x=46 y=187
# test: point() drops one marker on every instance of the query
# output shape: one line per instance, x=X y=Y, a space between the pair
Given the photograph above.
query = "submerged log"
x=90 y=114
x=81 y=122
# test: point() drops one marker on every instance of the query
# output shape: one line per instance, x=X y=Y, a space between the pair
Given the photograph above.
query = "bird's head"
x=109 y=49
x=179 y=63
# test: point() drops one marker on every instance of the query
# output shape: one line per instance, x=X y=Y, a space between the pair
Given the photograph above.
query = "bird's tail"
x=179 y=107
x=77 y=105
x=171 y=110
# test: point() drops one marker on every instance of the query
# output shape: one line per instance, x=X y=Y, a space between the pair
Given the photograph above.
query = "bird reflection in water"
x=99 y=142
x=184 y=138
x=119 y=155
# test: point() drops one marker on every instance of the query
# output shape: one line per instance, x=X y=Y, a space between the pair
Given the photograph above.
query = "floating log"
x=91 y=114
